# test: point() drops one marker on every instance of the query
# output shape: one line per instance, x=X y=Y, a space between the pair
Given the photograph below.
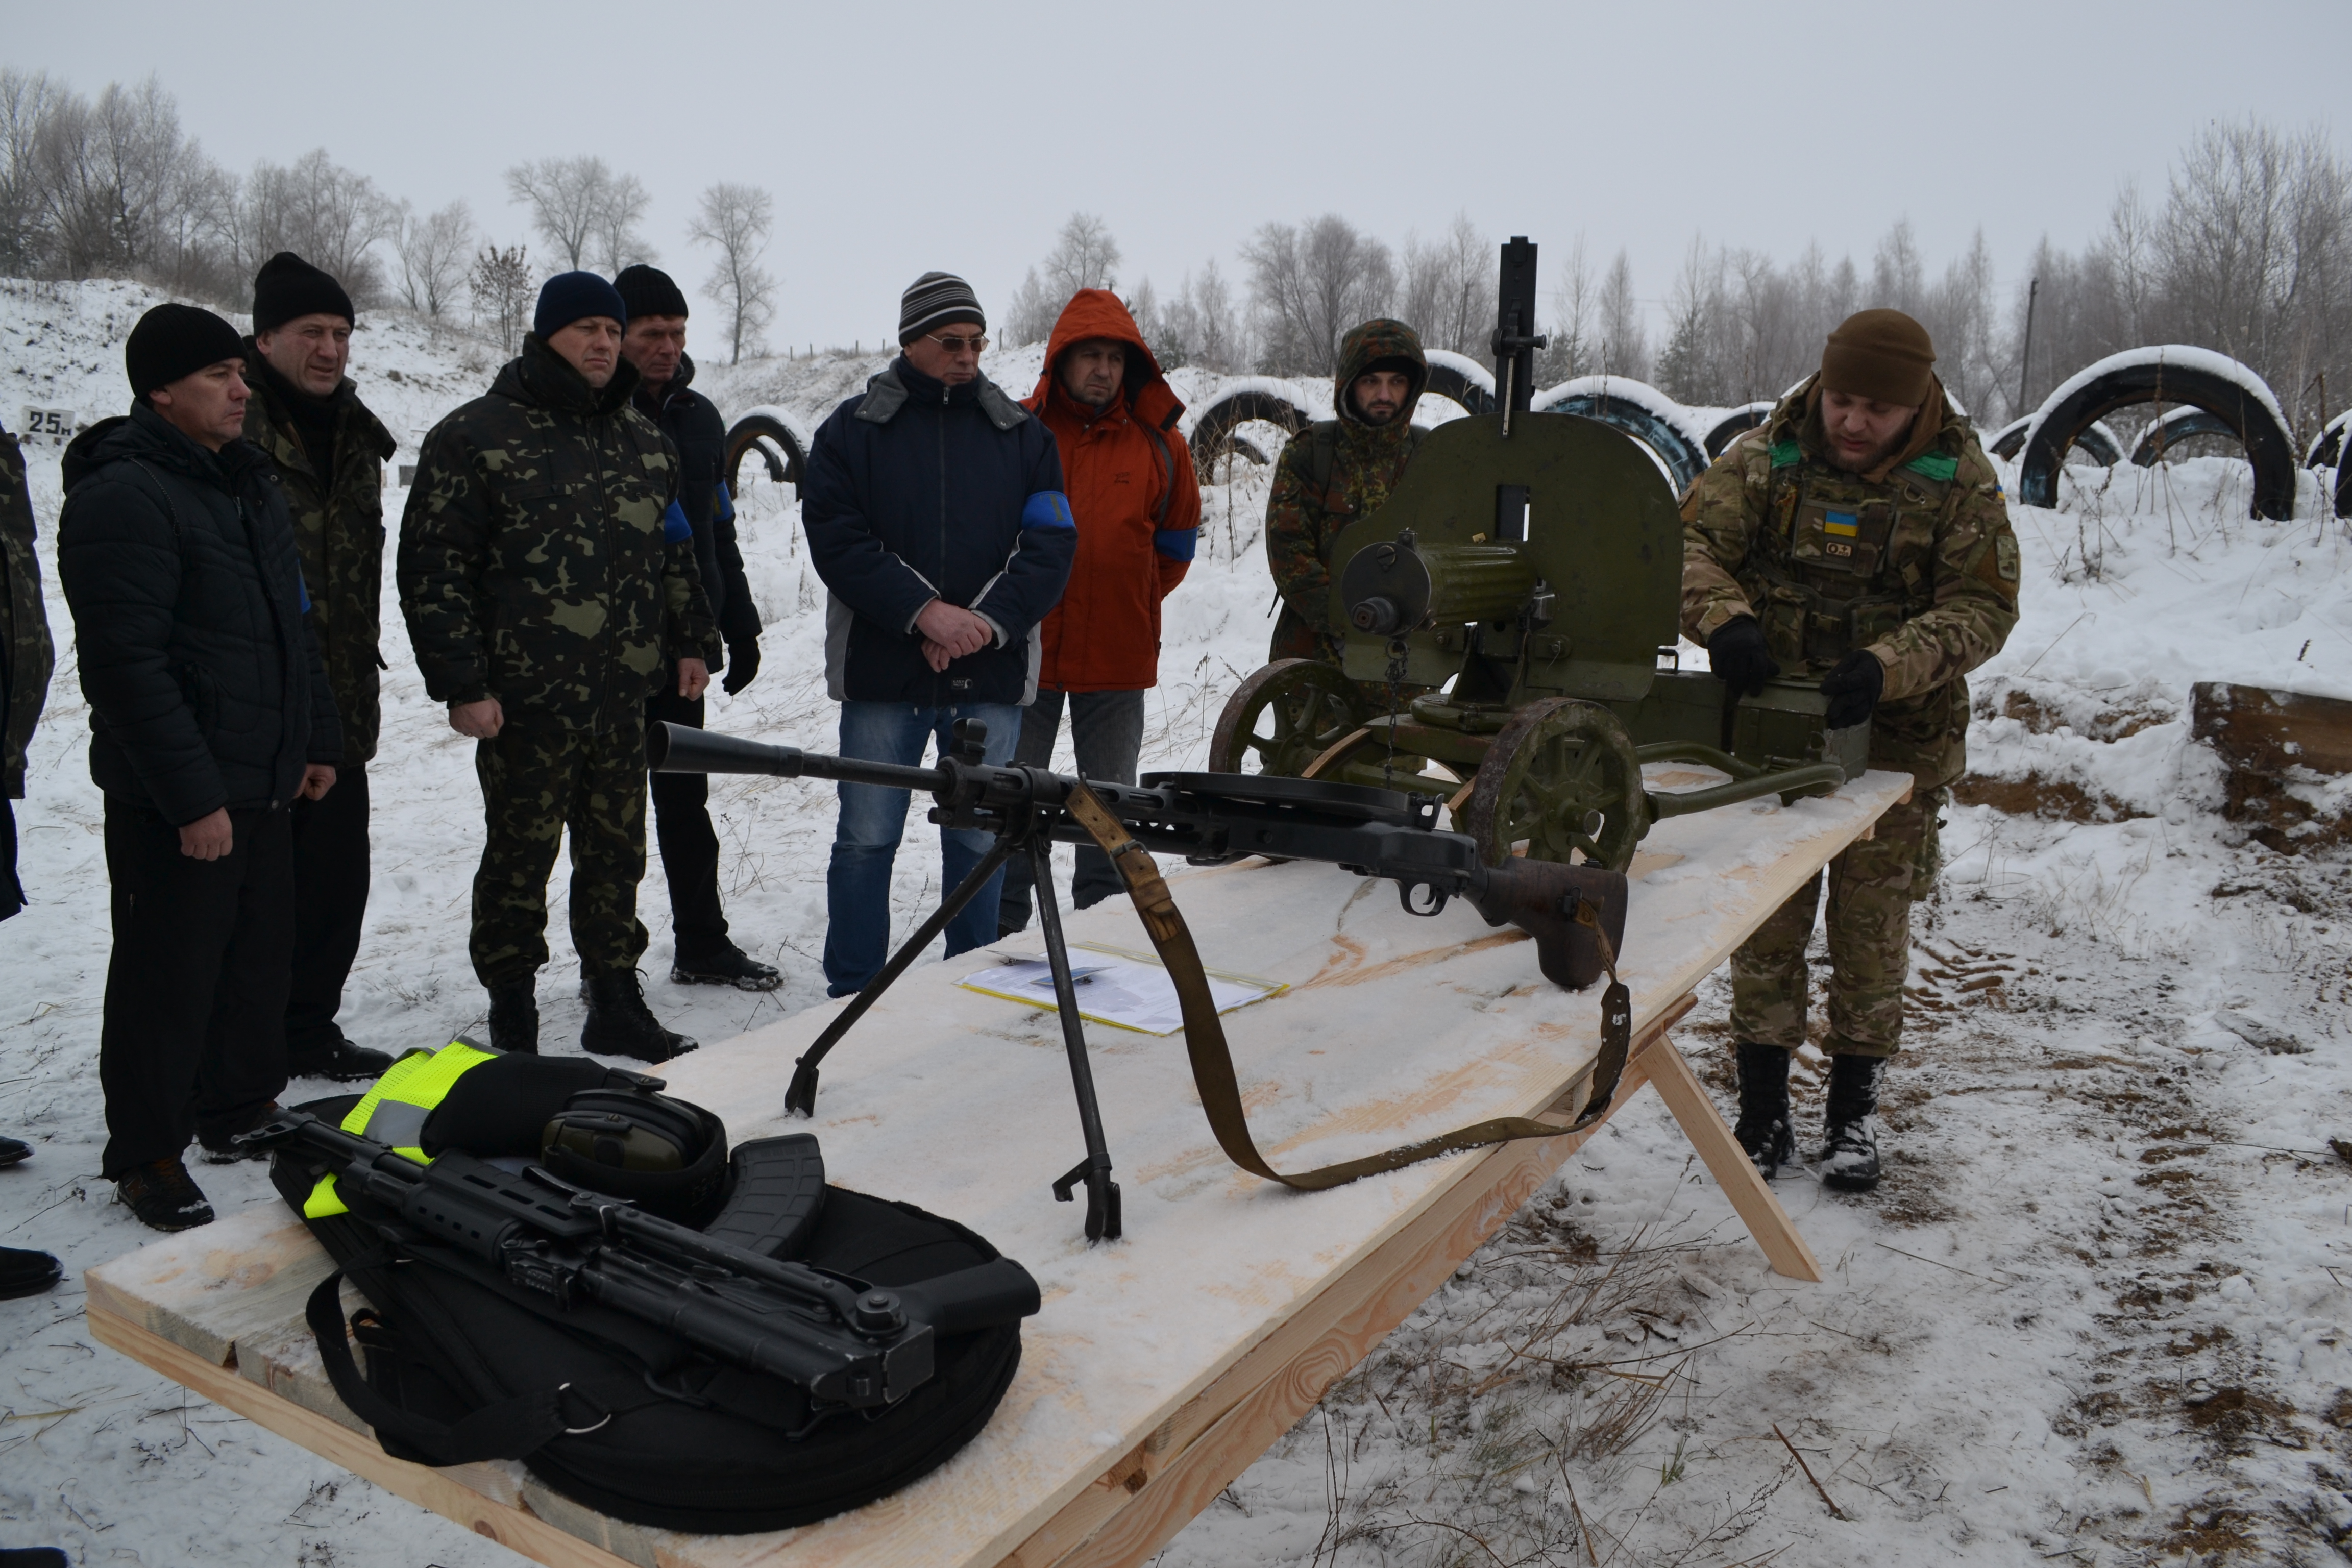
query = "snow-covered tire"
x=1640 y=410
x=2233 y=395
x=2097 y=441
x=2176 y=424
x=1213 y=429
x=1728 y=428
x=2327 y=446
x=778 y=450
x=1447 y=381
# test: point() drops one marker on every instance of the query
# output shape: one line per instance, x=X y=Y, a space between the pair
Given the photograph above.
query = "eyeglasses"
x=958 y=344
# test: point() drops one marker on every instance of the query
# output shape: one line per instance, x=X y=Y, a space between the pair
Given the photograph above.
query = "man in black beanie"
x=655 y=343
x=330 y=451
x=210 y=717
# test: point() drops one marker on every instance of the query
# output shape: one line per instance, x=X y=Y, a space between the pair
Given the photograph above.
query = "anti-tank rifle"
x=1576 y=913
x=849 y=1345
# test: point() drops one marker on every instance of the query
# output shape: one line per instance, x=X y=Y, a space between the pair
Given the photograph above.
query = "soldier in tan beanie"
x=1859 y=539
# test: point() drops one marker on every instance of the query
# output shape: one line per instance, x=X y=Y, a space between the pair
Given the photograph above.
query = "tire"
x=1447 y=381
x=779 y=450
x=1211 y=434
x=1685 y=459
x=2268 y=446
x=1735 y=424
x=2176 y=425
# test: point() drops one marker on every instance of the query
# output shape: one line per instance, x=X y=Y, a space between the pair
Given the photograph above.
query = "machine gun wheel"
x=1555 y=768
x=1288 y=714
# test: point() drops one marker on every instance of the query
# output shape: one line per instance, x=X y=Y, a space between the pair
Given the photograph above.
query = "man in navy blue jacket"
x=935 y=514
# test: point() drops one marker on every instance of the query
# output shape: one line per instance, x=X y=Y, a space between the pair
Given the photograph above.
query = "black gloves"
x=742 y=664
x=1853 y=689
x=1736 y=653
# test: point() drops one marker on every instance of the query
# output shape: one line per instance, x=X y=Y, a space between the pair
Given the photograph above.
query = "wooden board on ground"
x=1161 y=1366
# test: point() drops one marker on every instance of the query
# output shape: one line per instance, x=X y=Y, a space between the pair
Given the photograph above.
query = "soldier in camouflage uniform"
x=329 y=452
x=547 y=575
x=1859 y=535
x=1336 y=471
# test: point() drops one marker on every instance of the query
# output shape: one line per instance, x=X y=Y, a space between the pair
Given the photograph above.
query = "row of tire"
x=2211 y=396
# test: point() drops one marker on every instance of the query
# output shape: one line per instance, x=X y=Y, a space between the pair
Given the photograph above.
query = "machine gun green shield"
x=1514 y=599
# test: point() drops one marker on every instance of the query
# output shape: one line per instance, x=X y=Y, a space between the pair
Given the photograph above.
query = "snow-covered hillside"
x=2091 y=1316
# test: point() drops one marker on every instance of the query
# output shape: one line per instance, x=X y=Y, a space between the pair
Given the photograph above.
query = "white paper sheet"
x=1123 y=993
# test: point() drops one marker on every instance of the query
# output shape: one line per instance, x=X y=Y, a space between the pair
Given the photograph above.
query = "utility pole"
x=2025 y=360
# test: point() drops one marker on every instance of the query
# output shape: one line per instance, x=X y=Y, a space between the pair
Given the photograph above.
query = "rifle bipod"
x=1102 y=1193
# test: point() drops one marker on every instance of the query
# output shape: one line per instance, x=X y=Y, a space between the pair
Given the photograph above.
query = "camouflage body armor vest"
x=1840 y=561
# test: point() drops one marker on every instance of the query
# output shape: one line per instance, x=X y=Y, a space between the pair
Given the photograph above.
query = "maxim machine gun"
x=1507 y=613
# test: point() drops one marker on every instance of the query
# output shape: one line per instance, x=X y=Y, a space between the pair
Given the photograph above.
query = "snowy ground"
x=2093 y=1315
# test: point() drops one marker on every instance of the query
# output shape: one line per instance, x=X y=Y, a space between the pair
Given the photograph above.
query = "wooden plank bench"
x=1163 y=1364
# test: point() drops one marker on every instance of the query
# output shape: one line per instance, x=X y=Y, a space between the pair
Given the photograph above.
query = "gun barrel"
x=676 y=749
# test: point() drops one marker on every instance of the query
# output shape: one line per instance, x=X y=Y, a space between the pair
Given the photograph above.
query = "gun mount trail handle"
x=1213 y=1061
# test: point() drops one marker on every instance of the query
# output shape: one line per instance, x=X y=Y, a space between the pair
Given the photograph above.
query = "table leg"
x=1662 y=1065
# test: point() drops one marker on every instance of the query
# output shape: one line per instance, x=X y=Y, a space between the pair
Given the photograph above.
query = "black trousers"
x=194 y=1036
x=689 y=845
x=331 y=894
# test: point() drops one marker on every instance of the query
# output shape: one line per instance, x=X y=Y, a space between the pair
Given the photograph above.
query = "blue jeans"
x=873 y=819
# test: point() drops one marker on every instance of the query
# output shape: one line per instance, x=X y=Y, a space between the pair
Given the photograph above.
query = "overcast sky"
x=907 y=135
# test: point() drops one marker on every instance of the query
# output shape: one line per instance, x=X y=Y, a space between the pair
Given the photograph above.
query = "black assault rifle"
x=1575 y=913
x=847 y=1344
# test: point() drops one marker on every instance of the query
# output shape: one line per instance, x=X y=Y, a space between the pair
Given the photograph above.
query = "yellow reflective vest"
x=394 y=1111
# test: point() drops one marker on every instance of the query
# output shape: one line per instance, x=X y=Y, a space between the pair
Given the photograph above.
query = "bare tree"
x=1309 y=284
x=433 y=251
x=616 y=237
x=1449 y=288
x=501 y=284
x=1623 y=341
x=1029 y=317
x=1898 y=275
x=1085 y=256
x=566 y=198
x=331 y=216
x=1573 y=299
x=115 y=176
x=734 y=220
x=27 y=98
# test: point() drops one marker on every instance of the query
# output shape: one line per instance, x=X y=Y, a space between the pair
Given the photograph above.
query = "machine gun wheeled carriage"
x=1507 y=612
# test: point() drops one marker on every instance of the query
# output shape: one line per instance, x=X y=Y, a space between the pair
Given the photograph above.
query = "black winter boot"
x=1763 y=1130
x=514 y=1018
x=338 y=1061
x=620 y=1025
x=163 y=1195
x=1850 y=1145
x=725 y=965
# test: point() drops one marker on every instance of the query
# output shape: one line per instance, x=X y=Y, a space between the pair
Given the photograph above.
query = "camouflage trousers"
x=539 y=778
x=1872 y=887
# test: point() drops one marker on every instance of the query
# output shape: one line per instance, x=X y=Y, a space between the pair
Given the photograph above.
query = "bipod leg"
x=1102 y=1193
x=801 y=1097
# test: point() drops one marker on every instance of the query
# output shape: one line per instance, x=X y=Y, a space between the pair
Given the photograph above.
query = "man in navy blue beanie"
x=557 y=502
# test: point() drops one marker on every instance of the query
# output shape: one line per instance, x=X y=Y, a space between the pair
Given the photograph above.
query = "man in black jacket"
x=306 y=415
x=935 y=514
x=210 y=716
x=655 y=342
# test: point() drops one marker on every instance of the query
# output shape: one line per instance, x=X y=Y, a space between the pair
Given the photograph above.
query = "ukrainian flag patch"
x=1840 y=523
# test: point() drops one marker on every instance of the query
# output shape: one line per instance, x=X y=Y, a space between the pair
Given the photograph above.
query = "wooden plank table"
x=1163 y=1364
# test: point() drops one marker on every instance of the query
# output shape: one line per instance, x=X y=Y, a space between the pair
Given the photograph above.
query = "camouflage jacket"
x=1302 y=517
x=544 y=559
x=24 y=623
x=339 y=534
x=1915 y=561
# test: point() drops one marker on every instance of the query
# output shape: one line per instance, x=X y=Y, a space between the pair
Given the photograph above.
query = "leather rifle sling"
x=1212 y=1062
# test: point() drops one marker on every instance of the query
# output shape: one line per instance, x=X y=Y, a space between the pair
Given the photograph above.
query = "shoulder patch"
x=1786 y=455
x=1934 y=466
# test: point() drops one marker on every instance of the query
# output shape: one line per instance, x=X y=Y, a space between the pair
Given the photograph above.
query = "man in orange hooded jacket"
x=1128 y=474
